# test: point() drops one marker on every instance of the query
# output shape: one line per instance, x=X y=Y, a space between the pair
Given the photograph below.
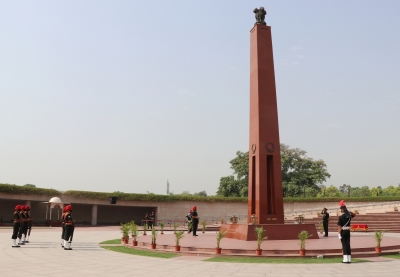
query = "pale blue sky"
x=123 y=95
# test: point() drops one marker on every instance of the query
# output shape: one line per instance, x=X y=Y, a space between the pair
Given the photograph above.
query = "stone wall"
x=124 y=211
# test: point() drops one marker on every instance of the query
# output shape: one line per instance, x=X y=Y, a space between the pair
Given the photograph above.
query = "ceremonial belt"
x=345 y=228
x=17 y=220
x=69 y=223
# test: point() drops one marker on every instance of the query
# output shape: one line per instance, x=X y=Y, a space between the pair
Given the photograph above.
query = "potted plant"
x=153 y=237
x=260 y=231
x=321 y=228
x=135 y=233
x=131 y=224
x=144 y=229
x=318 y=214
x=222 y=221
x=162 y=224
x=395 y=209
x=178 y=237
x=175 y=227
x=303 y=236
x=378 y=239
x=203 y=226
x=220 y=236
x=125 y=232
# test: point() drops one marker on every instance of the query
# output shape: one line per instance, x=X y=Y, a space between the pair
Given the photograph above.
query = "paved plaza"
x=43 y=256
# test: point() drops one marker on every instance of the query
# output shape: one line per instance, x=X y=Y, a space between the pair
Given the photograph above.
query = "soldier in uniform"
x=152 y=218
x=344 y=231
x=63 y=226
x=16 y=225
x=325 y=220
x=29 y=224
x=69 y=228
x=195 y=220
x=22 y=225
x=26 y=223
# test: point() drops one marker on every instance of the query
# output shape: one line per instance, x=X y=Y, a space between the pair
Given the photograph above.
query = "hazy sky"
x=125 y=95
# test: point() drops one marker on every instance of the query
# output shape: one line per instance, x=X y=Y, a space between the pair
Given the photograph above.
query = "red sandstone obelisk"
x=265 y=204
x=265 y=200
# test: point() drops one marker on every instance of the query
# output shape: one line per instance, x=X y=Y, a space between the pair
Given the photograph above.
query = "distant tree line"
x=187 y=193
x=302 y=176
x=364 y=191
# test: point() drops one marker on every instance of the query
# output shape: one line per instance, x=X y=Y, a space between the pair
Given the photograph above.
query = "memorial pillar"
x=265 y=199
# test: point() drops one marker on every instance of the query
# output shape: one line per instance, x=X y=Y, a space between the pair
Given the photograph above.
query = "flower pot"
x=144 y=234
x=134 y=243
x=302 y=252
x=153 y=246
x=203 y=232
x=258 y=252
x=378 y=249
x=321 y=233
x=218 y=250
x=162 y=233
x=177 y=248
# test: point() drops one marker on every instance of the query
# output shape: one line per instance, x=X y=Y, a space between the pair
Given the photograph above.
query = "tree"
x=238 y=187
x=376 y=191
x=200 y=193
x=391 y=191
x=345 y=189
x=300 y=174
x=360 y=192
x=330 y=191
x=30 y=185
x=229 y=186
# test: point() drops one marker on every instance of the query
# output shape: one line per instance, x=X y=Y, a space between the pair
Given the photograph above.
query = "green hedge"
x=346 y=199
x=14 y=189
x=175 y=198
x=152 y=197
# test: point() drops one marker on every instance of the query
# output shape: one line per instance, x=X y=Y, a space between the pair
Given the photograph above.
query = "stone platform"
x=272 y=231
x=363 y=245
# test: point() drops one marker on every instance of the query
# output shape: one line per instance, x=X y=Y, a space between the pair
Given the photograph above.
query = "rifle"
x=29 y=226
x=73 y=230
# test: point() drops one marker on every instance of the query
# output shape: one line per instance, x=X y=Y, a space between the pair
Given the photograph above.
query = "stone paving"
x=43 y=256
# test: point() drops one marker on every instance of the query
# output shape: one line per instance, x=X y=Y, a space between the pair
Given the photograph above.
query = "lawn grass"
x=392 y=256
x=112 y=241
x=140 y=252
x=258 y=260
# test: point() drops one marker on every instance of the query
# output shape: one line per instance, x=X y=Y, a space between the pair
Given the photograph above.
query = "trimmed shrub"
x=14 y=189
x=152 y=197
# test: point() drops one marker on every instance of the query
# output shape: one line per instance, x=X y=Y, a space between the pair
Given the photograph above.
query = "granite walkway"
x=43 y=256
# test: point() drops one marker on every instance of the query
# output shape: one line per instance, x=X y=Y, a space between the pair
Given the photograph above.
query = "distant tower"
x=167 y=187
